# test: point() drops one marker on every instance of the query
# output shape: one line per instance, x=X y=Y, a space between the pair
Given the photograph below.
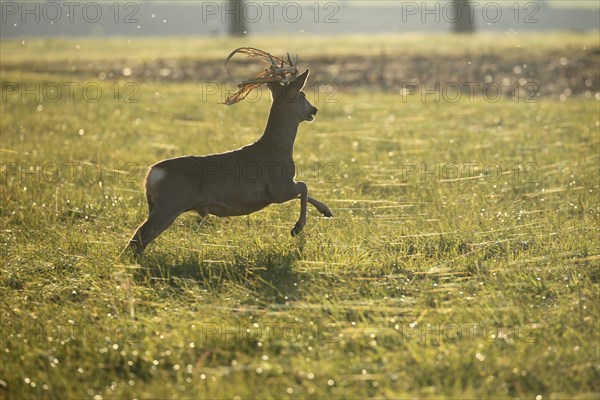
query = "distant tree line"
x=463 y=20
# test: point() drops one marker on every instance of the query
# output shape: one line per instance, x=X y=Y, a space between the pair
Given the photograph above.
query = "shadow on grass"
x=267 y=273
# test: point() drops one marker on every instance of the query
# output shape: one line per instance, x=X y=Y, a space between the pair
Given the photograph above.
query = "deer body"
x=216 y=184
x=234 y=183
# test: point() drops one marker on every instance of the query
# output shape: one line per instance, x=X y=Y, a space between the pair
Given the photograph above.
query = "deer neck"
x=280 y=132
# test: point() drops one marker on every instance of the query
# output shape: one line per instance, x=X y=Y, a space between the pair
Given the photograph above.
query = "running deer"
x=241 y=181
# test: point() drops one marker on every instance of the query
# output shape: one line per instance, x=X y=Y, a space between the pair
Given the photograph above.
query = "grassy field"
x=463 y=260
x=146 y=49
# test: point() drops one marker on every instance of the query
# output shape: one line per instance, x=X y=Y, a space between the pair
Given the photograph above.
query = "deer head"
x=282 y=79
x=291 y=97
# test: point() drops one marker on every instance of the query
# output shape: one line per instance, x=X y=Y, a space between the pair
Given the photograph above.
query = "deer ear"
x=301 y=80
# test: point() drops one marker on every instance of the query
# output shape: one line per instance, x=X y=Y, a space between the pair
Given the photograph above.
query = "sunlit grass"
x=426 y=283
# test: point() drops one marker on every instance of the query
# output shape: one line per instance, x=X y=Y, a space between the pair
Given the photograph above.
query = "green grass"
x=367 y=304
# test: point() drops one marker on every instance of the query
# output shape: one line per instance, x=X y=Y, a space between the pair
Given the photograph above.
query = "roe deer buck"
x=211 y=184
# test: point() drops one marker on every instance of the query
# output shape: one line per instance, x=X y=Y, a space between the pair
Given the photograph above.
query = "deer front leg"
x=300 y=189
x=323 y=209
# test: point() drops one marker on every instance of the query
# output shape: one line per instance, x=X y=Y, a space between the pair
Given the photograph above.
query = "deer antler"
x=273 y=74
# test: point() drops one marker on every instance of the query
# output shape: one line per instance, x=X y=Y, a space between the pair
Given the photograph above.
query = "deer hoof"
x=327 y=213
x=296 y=230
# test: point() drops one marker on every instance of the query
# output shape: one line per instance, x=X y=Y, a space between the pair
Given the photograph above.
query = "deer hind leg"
x=301 y=190
x=157 y=222
x=162 y=211
x=323 y=209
